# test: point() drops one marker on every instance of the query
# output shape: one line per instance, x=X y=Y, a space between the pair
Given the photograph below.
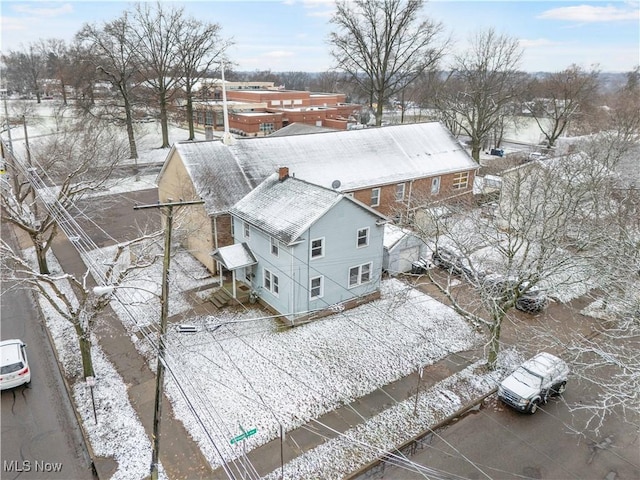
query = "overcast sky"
x=292 y=35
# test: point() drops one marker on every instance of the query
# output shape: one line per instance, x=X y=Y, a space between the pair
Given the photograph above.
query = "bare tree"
x=297 y=81
x=84 y=77
x=383 y=46
x=561 y=97
x=200 y=47
x=64 y=168
x=25 y=70
x=481 y=87
x=73 y=298
x=624 y=116
x=154 y=36
x=55 y=54
x=553 y=224
x=114 y=56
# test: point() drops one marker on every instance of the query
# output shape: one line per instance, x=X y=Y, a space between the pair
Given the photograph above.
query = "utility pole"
x=6 y=116
x=164 y=310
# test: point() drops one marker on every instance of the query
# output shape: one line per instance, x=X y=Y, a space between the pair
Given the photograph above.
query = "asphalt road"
x=500 y=443
x=39 y=433
x=107 y=213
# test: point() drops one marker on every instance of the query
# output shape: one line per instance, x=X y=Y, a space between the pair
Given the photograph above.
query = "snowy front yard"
x=242 y=368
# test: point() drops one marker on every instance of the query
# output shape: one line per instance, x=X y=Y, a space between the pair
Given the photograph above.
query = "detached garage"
x=401 y=248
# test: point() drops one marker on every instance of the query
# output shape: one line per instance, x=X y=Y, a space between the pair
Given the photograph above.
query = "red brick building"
x=260 y=111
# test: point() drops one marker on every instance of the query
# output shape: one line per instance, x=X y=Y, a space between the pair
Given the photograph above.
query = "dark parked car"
x=530 y=299
x=454 y=262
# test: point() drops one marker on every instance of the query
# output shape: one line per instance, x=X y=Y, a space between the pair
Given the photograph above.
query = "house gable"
x=309 y=256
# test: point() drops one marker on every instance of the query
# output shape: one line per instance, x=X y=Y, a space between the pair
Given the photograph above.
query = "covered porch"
x=234 y=258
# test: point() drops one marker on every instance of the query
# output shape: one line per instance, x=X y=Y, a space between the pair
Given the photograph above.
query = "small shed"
x=402 y=247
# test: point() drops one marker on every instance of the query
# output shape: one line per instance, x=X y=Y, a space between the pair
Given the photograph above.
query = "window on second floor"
x=247 y=231
x=317 y=248
x=400 y=192
x=275 y=246
x=460 y=180
x=375 y=197
x=363 y=237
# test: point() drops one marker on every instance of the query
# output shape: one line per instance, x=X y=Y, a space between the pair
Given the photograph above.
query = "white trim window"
x=275 y=247
x=270 y=282
x=435 y=185
x=317 y=248
x=247 y=230
x=362 y=237
x=316 y=287
x=360 y=274
x=375 y=197
x=460 y=180
x=400 y=192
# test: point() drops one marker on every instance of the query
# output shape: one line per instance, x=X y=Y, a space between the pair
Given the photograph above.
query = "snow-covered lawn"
x=243 y=368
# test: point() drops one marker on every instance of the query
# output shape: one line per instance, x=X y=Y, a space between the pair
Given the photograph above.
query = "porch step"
x=220 y=298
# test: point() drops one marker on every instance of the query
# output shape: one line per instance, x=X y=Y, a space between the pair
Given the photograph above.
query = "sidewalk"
x=267 y=458
x=179 y=454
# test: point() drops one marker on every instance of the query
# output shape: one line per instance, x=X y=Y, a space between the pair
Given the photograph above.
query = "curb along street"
x=410 y=446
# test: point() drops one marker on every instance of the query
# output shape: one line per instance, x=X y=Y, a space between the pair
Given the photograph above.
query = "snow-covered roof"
x=393 y=234
x=356 y=158
x=218 y=180
x=235 y=256
x=300 y=129
x=286 y=208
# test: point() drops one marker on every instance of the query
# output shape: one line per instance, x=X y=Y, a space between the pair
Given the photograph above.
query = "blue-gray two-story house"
x=303 y=249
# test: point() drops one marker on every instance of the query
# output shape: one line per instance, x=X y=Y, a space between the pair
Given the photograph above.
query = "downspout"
x=215 y=232
x=293 y=283
x=409 y=198
x=215 y=243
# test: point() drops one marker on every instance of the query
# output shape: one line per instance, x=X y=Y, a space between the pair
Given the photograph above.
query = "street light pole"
x=164 y=310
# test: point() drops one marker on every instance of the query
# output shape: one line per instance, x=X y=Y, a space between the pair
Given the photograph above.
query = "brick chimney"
x=283 y=173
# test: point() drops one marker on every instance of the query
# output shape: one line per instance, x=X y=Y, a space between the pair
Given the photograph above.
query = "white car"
x=533 y=382
x=14 y=366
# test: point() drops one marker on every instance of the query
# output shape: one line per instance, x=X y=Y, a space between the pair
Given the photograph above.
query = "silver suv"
x=533 y=382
